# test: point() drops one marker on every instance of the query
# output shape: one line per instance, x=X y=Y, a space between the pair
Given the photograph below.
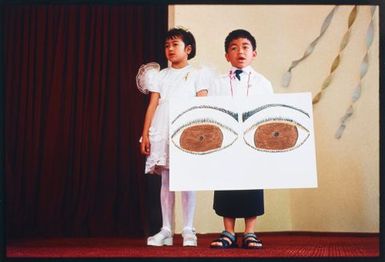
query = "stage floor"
x=276 y=245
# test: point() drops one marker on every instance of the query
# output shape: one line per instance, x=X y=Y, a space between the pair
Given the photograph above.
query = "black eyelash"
x=291 y=121
x=248 y=114
x=202 y=121
x=232 y=114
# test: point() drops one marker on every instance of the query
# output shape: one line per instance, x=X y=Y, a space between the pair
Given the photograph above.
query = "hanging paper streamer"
x=287 y=76
x=336 y=62
x=363 y=69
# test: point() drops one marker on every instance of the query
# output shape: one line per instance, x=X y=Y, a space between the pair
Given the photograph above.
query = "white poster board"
x=235 y=143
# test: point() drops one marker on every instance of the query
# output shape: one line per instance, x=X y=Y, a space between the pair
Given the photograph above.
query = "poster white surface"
x=233 y=143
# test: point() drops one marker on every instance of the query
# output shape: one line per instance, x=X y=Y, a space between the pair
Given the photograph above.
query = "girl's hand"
x=145 y=146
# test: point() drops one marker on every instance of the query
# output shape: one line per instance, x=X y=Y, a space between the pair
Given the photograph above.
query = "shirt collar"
x=246 y=70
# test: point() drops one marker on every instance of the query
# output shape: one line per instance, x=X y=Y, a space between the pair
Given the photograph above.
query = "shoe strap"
x=249 y=235
x=227 y=234
x=166 y=232
x=188 y=232
x=189 y=229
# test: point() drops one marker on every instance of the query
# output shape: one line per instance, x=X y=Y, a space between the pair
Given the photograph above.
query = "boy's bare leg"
x=250 y=224
x=249 y=227
x=229 y=223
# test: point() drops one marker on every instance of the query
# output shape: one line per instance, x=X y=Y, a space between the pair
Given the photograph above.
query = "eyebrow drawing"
x=230 y=113
x=248 y=114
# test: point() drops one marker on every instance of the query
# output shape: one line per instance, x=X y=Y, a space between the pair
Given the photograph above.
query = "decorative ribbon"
x=287 y=76
x=363 y=69
x=336 y=62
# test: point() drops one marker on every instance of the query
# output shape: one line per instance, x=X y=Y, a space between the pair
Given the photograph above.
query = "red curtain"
x=73 y=117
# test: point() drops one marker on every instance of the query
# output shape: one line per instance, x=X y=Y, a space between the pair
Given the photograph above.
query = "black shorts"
x=239 y=203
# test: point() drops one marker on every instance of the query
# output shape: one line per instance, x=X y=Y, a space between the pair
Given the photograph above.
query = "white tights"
x=167 y=201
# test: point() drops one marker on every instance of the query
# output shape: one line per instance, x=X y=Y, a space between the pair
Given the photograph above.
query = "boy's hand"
x=202 y=92
x=145 y=146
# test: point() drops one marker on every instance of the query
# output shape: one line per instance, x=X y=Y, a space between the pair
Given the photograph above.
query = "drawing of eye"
x=276 y=135
x=203 y=136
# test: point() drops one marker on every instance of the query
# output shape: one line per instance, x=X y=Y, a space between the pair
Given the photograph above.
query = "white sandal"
x=162 y=238
x=189 y=237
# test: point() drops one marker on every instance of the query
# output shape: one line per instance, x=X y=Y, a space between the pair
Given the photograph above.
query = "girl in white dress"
x=178 y=80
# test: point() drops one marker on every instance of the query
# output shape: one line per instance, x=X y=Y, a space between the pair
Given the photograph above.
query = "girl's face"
x=240 y=53
x=176 y=52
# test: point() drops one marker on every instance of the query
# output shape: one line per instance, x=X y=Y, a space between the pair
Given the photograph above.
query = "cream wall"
x=347 y=197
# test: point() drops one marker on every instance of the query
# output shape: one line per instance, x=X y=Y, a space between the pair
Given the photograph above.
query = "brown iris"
x=201 y=138
x=276 y=136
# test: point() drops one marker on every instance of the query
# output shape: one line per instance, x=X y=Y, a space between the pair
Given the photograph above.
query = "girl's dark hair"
x=240 y=33
x=186 y=36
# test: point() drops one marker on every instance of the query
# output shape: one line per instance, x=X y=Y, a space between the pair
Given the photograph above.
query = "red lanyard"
x=231 y=84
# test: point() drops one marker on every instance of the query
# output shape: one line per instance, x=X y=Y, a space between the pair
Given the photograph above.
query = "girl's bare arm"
x=145 y=146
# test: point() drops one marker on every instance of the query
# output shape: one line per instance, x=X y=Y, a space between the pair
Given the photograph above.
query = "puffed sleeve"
x=147 y=78
x=205 y=78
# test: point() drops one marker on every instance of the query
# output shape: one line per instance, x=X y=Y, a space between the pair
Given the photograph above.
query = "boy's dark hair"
x=186 y=36
x=240 y=33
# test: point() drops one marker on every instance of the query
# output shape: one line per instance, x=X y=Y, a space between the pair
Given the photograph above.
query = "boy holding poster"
x=241 y=80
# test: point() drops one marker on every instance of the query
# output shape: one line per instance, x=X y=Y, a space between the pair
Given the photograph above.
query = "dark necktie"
x=238 y=72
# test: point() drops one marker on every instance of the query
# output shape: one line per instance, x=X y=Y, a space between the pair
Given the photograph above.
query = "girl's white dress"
x=169 y=82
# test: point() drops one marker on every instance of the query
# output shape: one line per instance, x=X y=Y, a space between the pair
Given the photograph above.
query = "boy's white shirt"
x=251 y=83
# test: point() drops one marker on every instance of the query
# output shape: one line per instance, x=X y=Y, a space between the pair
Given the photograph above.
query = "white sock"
x=167 y=201
x=188 y=204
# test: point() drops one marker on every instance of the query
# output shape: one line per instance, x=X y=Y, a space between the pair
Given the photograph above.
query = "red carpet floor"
x=275 y=245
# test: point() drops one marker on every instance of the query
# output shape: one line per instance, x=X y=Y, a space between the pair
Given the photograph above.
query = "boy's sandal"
x=227 y=240
x=250 y=241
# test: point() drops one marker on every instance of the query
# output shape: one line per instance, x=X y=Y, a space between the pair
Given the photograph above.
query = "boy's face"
x=240 y=53
x=176 y=51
